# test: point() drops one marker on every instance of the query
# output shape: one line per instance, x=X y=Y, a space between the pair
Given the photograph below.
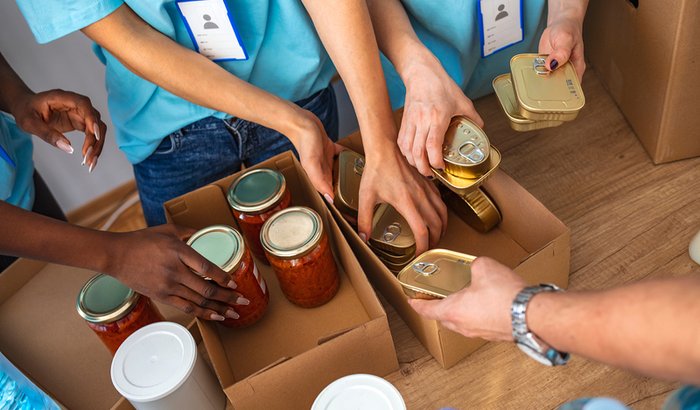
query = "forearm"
x=575 y=9
x=30 y=235
x=12 y=86
x=187 y=74
x=650 y=327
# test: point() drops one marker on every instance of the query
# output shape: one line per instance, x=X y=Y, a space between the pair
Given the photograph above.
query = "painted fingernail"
x=87 y=154
x=97 y=130
x=217 y=317
x=242 y=301
x=328 y=198
x=231 y=284
x=232 y=314
x=363 y=237
x=554 y=64
x=93 y=165
x=65 y=147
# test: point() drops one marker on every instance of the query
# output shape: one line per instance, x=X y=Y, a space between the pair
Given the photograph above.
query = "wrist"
x=15 y=98
x=416 y=63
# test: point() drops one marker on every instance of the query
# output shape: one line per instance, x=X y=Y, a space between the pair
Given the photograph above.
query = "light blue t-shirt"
x=16 y=165
x=452 y=31
x=285 y=57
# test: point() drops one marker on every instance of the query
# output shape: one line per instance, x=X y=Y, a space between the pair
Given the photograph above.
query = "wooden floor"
x=629 y=219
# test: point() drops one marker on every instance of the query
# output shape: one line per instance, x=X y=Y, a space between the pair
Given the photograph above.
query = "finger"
x=365 y=213
x=432 y=219
x=470 y=112
x=578 y=61
x=338 y=148
x=433 y=144
x=198 y=300
x=405 y=141
x=321 y=180
x=201 y=266
x=39 y=128
x=210 y=290
x=416 y=222
x=439 y=206
x=182 y=232
x=192 y=309
x=419 y=155
x=429 y=309
x=562 y=45
x=99 y=130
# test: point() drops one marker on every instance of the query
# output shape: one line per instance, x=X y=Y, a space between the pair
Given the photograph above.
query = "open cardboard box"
x=530 y=239
x=43 y=335
x=286 y=359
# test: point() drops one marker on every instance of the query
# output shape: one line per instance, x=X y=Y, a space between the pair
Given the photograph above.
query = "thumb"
x=429 y=309
x=50 y=135
x=321 y=180
x=561 y=51
x=183 y=232
x=338 y=148
x=365 y=213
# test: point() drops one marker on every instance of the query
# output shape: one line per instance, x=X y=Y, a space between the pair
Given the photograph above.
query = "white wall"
x=69 y=64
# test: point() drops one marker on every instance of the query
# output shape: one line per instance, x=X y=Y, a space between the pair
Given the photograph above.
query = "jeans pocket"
x=169 y=144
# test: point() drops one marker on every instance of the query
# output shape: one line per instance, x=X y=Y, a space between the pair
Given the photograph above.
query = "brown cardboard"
x=43 y=335
x=286 y=359
x=529 y=239
x=647 y=58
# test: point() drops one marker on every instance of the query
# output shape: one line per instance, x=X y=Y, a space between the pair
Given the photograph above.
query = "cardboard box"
x=44 y=337
x=286 y=359
x=647 y=57
x=529 y=239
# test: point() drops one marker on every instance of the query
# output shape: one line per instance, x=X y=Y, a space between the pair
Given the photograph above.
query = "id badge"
x=501 y=24
x=212 y=29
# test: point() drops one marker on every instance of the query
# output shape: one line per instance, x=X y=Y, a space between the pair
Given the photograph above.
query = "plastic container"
x=359 y=391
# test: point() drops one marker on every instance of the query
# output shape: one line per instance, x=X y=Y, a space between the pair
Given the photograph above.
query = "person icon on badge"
x=501 y=8
x=211 y=25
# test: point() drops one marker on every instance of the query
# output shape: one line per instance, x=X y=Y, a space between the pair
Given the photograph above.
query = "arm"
x=432 y=97
x=154 y=262
x=348 y=36
x=650 y=327
x=563 y=37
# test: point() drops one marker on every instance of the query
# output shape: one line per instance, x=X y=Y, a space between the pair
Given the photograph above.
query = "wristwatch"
x=527 y=341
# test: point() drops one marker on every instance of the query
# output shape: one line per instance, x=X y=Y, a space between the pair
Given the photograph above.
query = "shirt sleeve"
x=52 y=19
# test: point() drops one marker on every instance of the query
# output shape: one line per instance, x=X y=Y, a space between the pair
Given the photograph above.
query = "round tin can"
x=359 y=391
x=503 y=86
x=300 y=254
x=254 y=197
x=436 y=273
x=347 y=188
x=466 y=149
x=391 y=233
x=158 y=368
x=475 y=208
x=542 y=94
x=114 y=311
x=224 y=247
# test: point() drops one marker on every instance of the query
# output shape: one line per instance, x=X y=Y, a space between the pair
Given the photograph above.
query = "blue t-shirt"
x=451 y=30
x=16 y=165
x=285 y=57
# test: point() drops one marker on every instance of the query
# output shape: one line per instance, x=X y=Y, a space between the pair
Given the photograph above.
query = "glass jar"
x=299 y=252
x=113 y=311
x=254 y=197
x=224 y=247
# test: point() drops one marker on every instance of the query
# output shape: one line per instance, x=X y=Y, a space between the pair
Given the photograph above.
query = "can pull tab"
x=471 y=152
x=540 y=66
x=425 y=268
x=359 y=166
x=392 y=232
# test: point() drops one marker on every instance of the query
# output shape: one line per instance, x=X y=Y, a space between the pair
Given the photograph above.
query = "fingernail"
x=217 y=317
x=554 y=64
x=63 y=146
x=242 y=301
x=93 y=165
x=97 y=130
x=232 y=314
x=89 y=150
x=328 y=198
x=363 y=237
x=232 y=284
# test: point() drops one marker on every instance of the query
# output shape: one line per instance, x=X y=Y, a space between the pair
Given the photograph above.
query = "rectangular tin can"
x=436 y=273
x=503 y=86
x=347 y=186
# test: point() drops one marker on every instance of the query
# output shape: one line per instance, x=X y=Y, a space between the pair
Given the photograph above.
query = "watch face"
x=535 y=354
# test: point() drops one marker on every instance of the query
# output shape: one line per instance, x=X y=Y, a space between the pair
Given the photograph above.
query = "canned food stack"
x=347 y=184
x=392 y=239
x=534 y=97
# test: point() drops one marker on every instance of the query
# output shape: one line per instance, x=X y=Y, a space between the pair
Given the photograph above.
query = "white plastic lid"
x=359 y=391
x=153 y=362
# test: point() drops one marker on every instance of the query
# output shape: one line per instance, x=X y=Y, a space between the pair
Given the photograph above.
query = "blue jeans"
x=211 y=149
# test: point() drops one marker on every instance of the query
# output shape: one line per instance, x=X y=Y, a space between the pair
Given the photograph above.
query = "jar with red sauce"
x=299 y=252
x=113 y=311
x=224 y=247
x=255 y=196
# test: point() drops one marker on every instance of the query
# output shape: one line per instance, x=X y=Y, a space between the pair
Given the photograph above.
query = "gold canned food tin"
x=465 y=149
x=463 y=186
x=347 y=187
x=475 y=208
x=437 y=273
x=542 y=94
x=390 y=257
x=391 y=233
x=503 y=86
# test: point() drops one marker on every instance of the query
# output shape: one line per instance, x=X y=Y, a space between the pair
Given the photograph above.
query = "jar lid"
x=465 y=144
x=256 y=190
x=359 y=391
x=153 y=362
x=220 y=245
x=104 y=299
x=291 y=232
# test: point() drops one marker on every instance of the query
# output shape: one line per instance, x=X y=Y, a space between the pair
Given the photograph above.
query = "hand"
x=432 y=100
x=563 y=41
x=481 y=310
x=387 y=178
x=51 y=113
x=157 y=263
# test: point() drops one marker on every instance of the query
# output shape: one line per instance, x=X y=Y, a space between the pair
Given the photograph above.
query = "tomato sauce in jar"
x=254 y=197
x=300 y=254
x=113 y=311
x=224 y=247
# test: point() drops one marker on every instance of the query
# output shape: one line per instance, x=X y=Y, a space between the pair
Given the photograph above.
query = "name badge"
x=501 y=24
x=212 y=29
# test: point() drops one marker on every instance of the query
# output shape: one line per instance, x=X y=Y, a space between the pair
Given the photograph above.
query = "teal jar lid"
x=292 y=232
x=104 y=299
x=256 y=191
x=220 y=245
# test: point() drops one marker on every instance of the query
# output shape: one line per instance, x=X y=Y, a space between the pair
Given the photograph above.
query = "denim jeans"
x=211 y=148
